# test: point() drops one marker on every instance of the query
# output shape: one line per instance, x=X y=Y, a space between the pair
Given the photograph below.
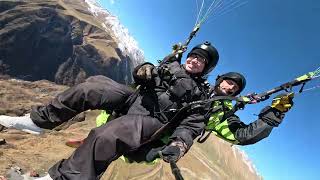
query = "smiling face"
x=227 y=87
x=195 y=64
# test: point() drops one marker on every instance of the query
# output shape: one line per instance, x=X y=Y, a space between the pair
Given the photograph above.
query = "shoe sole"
x=74 y=143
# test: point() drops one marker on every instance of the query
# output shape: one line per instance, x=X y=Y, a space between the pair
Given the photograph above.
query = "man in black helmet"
x=100 y=92
x=205 y=51
x=165 y=90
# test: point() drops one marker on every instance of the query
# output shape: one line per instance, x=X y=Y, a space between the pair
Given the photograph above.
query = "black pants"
x=105 y=144
x=98 y=92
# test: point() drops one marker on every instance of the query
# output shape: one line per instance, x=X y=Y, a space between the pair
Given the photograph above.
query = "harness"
x=175 y=90
x=218 y=122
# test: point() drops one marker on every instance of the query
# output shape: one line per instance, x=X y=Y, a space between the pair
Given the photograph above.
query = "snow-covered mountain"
x=127 y=44
x=64 y=41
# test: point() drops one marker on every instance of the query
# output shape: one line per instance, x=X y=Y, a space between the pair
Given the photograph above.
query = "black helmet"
x=236 y=77
x=209 y=52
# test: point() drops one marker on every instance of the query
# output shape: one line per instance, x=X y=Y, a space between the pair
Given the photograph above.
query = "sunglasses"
x=199 y=58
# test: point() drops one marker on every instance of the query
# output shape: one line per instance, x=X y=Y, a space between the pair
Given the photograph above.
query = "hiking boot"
x=23 y=123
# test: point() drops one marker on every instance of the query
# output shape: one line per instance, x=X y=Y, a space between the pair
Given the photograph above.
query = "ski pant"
x=105 y=144
x=97 y=92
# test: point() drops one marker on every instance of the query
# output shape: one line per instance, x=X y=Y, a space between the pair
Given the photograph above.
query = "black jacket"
x=171 y=90
x=257 y=130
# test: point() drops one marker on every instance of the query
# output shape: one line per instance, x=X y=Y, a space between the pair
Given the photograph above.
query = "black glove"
x=170 y=153
x=167 y=153
x=146 y=72
x=154 y=154
x=174 y=151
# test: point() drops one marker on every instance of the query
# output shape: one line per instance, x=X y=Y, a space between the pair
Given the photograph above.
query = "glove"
x=170 y=153
x=146 y=72
x=173 y=152
x=154 y=154
x=167 y=153
x=283 y=102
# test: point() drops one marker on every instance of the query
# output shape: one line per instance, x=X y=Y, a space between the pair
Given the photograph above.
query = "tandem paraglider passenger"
x=163 y=97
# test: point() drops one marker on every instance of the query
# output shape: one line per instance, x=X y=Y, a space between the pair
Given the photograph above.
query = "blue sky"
x=270 y=42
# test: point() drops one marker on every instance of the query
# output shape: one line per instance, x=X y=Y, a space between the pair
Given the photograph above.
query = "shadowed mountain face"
x=58 y=40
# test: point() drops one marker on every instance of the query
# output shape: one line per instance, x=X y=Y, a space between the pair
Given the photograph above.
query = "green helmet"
x=210 y=53
x=236 y=77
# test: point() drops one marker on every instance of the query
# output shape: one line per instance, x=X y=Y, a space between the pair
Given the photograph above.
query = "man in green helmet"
x=232 y=128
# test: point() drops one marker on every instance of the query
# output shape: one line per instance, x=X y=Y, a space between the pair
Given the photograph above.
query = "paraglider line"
x=199 y=13
x=312 y=88
x=229 y=8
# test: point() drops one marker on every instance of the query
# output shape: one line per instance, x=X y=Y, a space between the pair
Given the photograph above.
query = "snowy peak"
x=126 y=43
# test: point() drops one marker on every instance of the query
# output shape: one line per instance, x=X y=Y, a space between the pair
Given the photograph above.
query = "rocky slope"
x=64 y=41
